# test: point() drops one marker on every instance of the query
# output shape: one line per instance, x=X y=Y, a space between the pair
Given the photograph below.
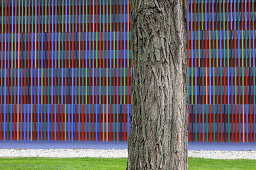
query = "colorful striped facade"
x=221 y=40
x=66 y=70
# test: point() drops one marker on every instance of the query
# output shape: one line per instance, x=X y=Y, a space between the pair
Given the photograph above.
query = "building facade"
x=65 y=70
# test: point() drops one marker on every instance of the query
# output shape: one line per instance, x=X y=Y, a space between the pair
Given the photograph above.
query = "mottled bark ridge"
x=158 y=135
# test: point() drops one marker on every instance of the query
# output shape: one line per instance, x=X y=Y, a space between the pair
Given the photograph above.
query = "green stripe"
x=228 y=75
x=69 y=54
x=49 y=86
x=96 y=52
x=12 y=96
x=207 y=110
x=103 y=129
x=79 y=60
x=236 y=67
x=213 y=68
x=86 y=28
x=120 y=91
x=198 y=59
x=103 y=63
x=89 y=64
x=18 y=48
x=110 y=29
x=202 y=54
x=63 y=52
x=42 y=72
x=224 y=65
x=31 y=125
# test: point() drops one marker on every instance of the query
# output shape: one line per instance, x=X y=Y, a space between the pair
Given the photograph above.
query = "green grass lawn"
x=199 y=164
x=112 y=164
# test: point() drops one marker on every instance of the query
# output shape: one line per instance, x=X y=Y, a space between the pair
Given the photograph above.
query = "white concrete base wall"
x=117 y=153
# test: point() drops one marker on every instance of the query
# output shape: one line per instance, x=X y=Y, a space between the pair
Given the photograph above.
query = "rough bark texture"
x=158 y=135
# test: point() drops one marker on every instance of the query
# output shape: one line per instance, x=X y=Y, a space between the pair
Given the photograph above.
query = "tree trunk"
x=158 y=135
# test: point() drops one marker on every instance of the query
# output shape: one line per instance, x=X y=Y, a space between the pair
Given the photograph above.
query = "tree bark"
x=158 y=132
